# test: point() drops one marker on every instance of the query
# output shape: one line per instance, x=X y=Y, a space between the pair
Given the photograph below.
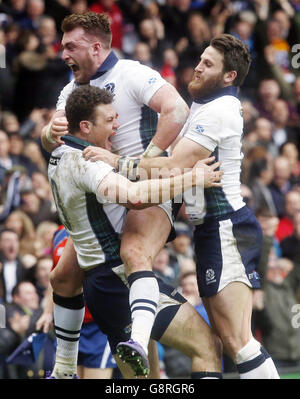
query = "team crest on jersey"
x=210 y=276
x=199 y=129
x=110 y=87
x=152 y=80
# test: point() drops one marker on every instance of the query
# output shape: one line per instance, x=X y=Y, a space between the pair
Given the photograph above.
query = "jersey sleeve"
x=64 y=94
x=88 y=175
x=143 y=82
x=204 y=129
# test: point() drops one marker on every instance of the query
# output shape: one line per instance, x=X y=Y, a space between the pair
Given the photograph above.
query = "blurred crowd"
x=169 y=36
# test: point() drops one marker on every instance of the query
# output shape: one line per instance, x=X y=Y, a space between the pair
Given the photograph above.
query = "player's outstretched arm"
x=139 y=195
x=185 y=155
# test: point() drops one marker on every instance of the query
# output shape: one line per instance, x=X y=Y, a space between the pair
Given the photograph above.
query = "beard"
x=199 y=88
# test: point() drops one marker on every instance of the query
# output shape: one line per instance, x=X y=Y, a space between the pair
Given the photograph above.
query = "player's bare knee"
x=135 y=259
x=58 y=277
x=232 y=344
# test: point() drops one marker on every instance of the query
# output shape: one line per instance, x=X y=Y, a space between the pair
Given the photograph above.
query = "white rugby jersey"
x=133 y=85
x=217 y=124
x=93 y=223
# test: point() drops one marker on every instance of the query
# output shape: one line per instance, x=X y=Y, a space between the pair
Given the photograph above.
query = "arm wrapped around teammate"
x=128 y=167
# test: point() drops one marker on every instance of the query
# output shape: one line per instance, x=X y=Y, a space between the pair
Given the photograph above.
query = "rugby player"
x=140 y=94
x=87 y=195
x=228 y=238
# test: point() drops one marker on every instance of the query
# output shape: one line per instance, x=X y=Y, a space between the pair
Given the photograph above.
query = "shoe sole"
x=133 y=358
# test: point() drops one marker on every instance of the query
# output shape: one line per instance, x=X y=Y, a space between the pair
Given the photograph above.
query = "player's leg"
x=95 y=374
x=66 y=281
x=230 y=313
x=145 y=233
x=95 y=360
x=153 y=360
x=190 y=334
x=227 y=252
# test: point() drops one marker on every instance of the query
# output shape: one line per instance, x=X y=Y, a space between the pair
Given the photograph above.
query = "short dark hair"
x=6 y=230
x=81 y=105
x=236 y=56
x=16 y=289
x=93 y=23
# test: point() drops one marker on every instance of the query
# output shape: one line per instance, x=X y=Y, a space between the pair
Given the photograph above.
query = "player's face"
x=105 y=126
x=79 y=53
x=208 y=75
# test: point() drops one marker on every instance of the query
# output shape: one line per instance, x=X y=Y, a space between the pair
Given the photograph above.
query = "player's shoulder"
x=135 y=70
x=226 y=102
x=225 y=107
x=68 y=87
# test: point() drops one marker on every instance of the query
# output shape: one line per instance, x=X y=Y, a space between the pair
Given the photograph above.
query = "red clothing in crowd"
x=116 y=21
x=59 y=242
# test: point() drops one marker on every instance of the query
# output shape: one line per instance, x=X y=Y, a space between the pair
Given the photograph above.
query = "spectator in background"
x=22 y=315
x=244 y=29
x=142 y=53
x=292 y=206
x=9 y=122
x=262 y=136
x=111 y=8
x=269 y=223
x=280 y=184
x=16 y=9
x=170 y=63
x=16 y=146
x=279 y=48
x=34 y=11
x=42 y=188
x=250 y=114
x=41 y=276
x=33 y=152
x=281 y=132
x=290 y=245
x=48 y=35
x=268 y=92
x=6 y=160
x=181 y=248
x=282 y=340
x=152 y=33
x=162 y=268
x=184 y=74
x=79 y=6
x=44 y=235
x=37 y=209
x=12 y=270
x=174 y=17
x=198 y=37
x=19 y=222
x=261 y=174
x=290 y=151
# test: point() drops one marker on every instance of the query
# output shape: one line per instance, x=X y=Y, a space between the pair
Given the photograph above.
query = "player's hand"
x=44 y=323
x=207 y=176
x=100 y=154
x=59 y=128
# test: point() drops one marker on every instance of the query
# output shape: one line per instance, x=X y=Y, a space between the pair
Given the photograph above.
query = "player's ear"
x=229 y=77
x=85 y=127
x=97 y=47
